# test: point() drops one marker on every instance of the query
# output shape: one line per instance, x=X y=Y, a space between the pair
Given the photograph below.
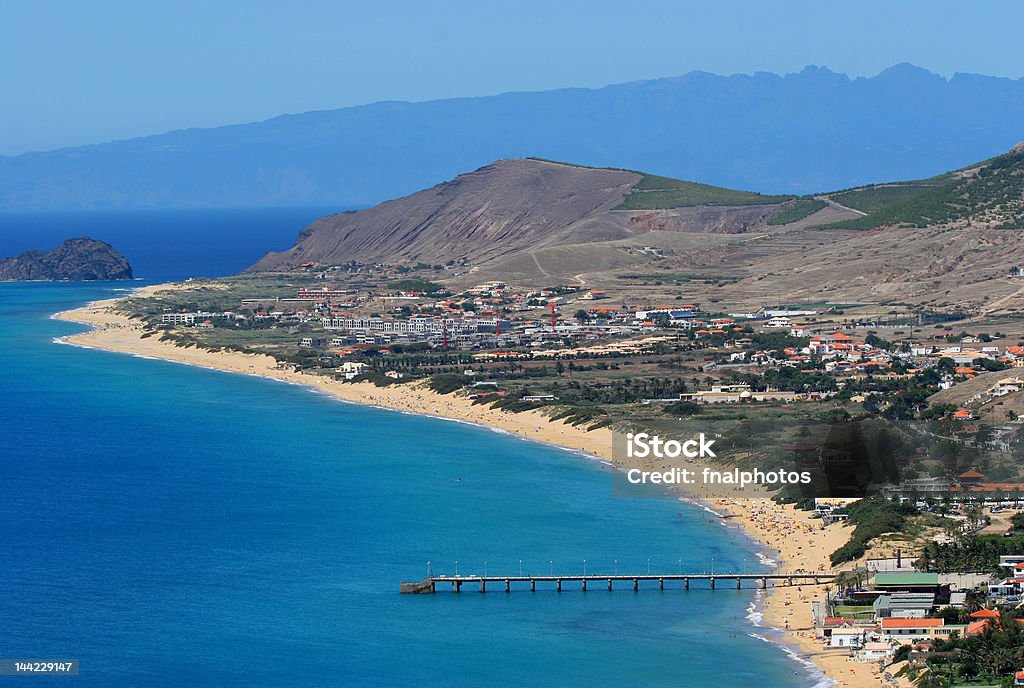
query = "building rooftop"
x=906 y=600
x=985 y=614
x=909 y=579
x=911 y=623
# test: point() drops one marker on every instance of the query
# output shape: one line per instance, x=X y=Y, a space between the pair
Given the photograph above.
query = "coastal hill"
x=946 y=243
x=74 y=260
x=989 y=193
x=797 y=133
x=515 y=208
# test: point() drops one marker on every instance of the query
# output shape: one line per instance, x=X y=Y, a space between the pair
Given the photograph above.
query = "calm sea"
x=169 y=525
x=167 y=244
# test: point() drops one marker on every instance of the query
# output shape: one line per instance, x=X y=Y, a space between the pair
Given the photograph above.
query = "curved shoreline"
x=797 y=540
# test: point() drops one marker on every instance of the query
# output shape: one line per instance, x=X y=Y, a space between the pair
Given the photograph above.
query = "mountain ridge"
x=797 y=133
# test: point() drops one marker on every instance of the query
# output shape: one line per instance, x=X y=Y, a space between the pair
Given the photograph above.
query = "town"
x=936 y=614
x=934 y=565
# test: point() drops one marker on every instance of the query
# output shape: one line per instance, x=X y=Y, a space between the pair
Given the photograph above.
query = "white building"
x=779 y=322
x=874 y=652
x=179 y=318
x=351 y=369
x=846 y=637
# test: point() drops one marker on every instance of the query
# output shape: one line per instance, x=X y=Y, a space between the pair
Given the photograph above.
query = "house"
x=847 y=637
x=970 y=478
x=1014 y=583
x=1018 y=678
x=874 y=652
x=779 y=322
x=311 y=342
x=830 y=624
x=986 y=614
x=1006 y=386
x=351 y=369
x=976 y=627
x=905 y=631
x=981 y=619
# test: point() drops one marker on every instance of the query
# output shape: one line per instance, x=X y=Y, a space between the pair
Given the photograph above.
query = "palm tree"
x=972 y=603
x=843 y=581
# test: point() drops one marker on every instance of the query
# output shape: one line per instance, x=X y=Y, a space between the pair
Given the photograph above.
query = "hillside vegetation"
x=796 y=210
x=653 y=192
x=990 y=193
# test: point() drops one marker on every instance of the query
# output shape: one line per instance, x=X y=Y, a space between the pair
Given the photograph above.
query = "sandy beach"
x=801 y=543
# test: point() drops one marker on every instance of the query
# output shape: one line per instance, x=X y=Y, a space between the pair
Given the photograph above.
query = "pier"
x=679 y=581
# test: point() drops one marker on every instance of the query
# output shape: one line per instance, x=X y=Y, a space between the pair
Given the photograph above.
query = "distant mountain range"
x=75 y=259
x=794 y=134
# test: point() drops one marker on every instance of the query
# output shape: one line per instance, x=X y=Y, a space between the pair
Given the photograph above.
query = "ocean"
x=170 y=525
x=164 y=245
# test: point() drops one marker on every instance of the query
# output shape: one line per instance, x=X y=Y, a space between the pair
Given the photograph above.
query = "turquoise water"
x=169 y=525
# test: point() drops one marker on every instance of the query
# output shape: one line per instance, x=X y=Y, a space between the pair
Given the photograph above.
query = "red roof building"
x=986 y=614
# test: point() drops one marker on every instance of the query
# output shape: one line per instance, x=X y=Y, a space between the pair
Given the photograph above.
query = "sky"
x=79 y=72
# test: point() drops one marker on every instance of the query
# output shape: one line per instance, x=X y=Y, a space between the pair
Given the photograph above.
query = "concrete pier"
x=429 y=585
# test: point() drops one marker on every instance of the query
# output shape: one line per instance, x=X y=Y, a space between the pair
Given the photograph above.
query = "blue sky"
x=75 y=72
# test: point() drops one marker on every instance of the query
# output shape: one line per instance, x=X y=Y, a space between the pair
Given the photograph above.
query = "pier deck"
x=763 y=580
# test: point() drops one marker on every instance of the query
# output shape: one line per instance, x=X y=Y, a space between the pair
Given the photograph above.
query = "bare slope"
x=512 y=208
x=533 y=222
x=499 y=209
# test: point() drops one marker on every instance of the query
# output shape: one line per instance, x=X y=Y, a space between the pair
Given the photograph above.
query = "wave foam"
x=822 y=681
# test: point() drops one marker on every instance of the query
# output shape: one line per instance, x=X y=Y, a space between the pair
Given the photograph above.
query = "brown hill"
x=513 y=208
x=498 y=210
x=649 y=239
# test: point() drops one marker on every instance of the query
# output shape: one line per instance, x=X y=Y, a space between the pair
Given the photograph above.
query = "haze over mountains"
x=802 y=133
